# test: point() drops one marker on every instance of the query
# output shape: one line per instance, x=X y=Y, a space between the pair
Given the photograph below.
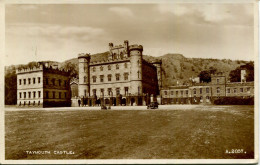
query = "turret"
x=136 y=69
x=84 y=75
x=158 y=64
x=126 y=47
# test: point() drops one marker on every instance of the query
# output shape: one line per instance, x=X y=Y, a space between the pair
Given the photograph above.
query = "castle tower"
x=158 y=64
x=136 y=69
x=110 y=46
x=84 y=75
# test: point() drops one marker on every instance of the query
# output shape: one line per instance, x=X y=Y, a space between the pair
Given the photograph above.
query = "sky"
x=60 y=32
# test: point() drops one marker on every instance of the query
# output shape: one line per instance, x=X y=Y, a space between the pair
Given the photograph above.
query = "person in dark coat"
x=79 y=102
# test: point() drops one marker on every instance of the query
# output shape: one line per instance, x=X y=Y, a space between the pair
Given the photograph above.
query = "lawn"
x=202 y=132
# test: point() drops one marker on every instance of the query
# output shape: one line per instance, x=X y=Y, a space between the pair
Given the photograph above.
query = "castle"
x=125 y=78
x=43 y=85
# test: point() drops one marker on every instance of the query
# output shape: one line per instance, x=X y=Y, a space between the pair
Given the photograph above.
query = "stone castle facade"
x=43 y=86
x=206 y=93
x=124 y=79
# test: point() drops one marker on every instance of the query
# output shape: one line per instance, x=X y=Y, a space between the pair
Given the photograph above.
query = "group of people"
x=82 y=101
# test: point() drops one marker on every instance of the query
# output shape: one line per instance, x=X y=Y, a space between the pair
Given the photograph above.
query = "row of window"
x=33 y=95
x=235 y=90
x=109 y=67
x=30 y=81
x=29 y=103
x=53 y=82
x=109 y=77
x=54 y=96
x=109 y=91
x=30 y=94
x=207 y=91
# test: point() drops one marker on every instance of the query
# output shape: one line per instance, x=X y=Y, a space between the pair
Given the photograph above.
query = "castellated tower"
x=136 y=69
x=158 y=64
x=84 y=75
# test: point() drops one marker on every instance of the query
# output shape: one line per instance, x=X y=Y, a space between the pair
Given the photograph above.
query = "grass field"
x=202 y=132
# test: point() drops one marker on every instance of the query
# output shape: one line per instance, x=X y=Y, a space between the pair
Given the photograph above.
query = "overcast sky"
x=61 y=32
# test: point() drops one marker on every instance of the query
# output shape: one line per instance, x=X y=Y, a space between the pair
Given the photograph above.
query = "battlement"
x=109 y=61
x=26 y=70
x=84 y=55
x=42 y=67
x=136 y=47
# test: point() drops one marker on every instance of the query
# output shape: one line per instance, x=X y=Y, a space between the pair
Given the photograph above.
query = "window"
x=200 y=90
x=29 y=81
x=29 y=94
x=235 y=90
x=24 y=94
x=59 y=82
x=109 y=77
x=125 y=65
x=165 y=92
x=217 y=81
x=101 y=68
x=117 y=91
x=47 y=95
x=207 y=90
x=228 y=90
x=53 y=95
x=94 y=69
x=194 y=91
x=177 y=93
x=101 y=78
x=117 y=77
x=33 y=80
x=53 y=81
x=218 y=89
x=20 y=94
x=65 y=83
x=85 y=79
x=20 y=82
x=109 y=67
x=187 y=92
x=109 y=90
x=34 y=94
x=24 y=81
x=117 y=66
x=59 y=95
x=39 y=94
x=171 y=92
x=241 y=90
x=182 y=93
x=94 y=92
x=39 y=80
x=126 y=76
x=47 y=81
x=94 y=79
x=126 y=90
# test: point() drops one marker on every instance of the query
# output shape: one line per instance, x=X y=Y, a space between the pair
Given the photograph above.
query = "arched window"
x=39 y=102
x=24 y=103
x=194 y=91
x=29 y=103
x=33 y=102
x=218 y=89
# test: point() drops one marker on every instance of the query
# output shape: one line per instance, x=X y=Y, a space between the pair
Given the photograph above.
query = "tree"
x=72 y=68
x=235 y=75
x=10 y=86
x=205 y=76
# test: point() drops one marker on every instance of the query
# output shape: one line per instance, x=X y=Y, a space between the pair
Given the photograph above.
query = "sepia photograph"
x=130 y=82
